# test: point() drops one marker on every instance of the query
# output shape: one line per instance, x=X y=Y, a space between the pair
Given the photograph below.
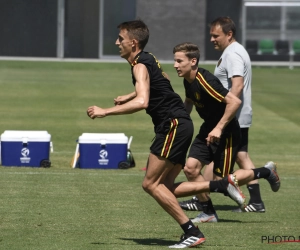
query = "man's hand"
x=124 y=98
x=214 y=136
x=120 y=100
x=95 y=112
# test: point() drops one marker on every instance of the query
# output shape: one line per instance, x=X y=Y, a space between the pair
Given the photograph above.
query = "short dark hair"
x=190 y=50
x=138 y=30
x=226 y=24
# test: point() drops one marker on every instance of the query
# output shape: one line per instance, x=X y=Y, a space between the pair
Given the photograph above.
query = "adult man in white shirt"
x=234 y=71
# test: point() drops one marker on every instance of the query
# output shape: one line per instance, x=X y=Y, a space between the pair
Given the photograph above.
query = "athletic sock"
x=189 y=228
x=219 y=186
x=261 y=173
x=254 y=193
x=207 y=207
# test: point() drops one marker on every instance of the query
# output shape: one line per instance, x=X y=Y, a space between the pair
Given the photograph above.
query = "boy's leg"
x=161 y=171
x=153 y=183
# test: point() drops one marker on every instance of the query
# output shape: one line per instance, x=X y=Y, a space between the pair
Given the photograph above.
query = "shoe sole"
x=209 y=220
x=275 y=187
x=251 y=208
x=196 y=243
x=239 y=210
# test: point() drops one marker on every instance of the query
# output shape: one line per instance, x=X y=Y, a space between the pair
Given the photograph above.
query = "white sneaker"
x=203 y=218
x=234 y=191
x=189 y=241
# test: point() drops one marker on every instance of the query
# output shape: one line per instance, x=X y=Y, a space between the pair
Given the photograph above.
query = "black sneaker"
x=191 y=205
x=252 y=207
x=189 y=241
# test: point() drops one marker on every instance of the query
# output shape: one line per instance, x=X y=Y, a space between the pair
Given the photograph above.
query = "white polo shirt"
x=235 y=61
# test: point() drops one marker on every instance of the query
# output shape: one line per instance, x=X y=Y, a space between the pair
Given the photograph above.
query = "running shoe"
x=203 y=218
x=191 y=205
x=189 y=241
x=273 y=179
x=235 y=192
x=252 y=207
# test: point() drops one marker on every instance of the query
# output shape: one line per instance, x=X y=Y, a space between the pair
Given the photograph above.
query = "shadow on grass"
x=230 y=221
x=151 y=241
x=225 y=207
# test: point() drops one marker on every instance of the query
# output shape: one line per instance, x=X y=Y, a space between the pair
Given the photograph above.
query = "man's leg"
x=227 y=185
x=208 y=172
x=223 y=154
x=255 y=203
x=222 y=157
x=160 y=172
x=268 y=172
x=244 y=162
x=192 y=170
x=153 y=183
x=252 y=186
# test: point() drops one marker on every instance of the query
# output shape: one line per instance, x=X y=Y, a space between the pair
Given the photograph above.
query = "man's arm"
x=139 y=102
x=237 y=85
x=188 y=103
x=124 y=98
x=232 y=105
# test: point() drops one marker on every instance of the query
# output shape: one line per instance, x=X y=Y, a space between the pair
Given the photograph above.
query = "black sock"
x=189 y=228
x=219 y=186
x=207 y=207
x=261 y=173
x=254 y=193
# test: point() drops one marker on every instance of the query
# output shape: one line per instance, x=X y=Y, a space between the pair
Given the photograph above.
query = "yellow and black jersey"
x=207 y=93
x=164 y=103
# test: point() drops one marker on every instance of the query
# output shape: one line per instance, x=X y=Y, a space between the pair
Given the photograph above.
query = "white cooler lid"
x=91 y=135
x=103 y=138
x=25 y=135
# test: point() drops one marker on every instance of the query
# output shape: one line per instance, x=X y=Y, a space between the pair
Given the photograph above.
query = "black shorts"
x=172 y=140
x=244 y=141
x=223 y=153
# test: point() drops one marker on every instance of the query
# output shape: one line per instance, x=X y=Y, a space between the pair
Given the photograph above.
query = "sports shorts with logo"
x=172 y=140
x=222 y=153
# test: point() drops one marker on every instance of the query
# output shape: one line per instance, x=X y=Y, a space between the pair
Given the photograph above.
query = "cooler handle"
x=24 y=141
x=129 y=142
x=103 y=142
x=51 y=147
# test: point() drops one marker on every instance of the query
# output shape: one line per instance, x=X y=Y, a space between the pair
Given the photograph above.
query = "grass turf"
x=64 y=208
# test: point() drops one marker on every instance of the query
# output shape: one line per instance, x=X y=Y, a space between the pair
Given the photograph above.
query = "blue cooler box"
x=103 y=151
x=25 y=148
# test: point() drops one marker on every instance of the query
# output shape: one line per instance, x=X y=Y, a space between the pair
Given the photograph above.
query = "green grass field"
x=65 y=208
